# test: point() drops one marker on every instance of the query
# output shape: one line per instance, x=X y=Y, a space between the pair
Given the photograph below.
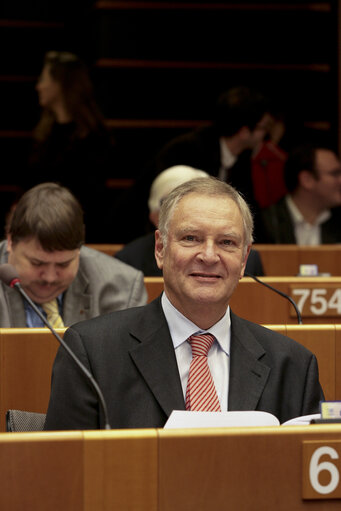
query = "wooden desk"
x=26 y=359
x=27 y=355
x=244 y=469
x=285 y=260
x=319 y=299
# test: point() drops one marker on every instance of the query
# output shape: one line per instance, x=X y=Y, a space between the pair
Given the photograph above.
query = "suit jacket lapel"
x=155 y=359
x=77 y=300
x=248 y=375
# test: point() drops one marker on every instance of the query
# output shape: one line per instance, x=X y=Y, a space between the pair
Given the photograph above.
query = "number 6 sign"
x=321 y=470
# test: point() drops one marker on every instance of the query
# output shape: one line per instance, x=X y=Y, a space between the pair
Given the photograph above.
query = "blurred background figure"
x=140 y=252
x=71 y=143
x=228 y=148
x=310 y=214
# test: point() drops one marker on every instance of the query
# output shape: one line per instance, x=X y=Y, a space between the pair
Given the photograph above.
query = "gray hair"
x=169 y=179
x=209 y=186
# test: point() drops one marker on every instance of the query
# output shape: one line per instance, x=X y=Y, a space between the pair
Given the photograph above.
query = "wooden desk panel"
x=154 y=286
x=285 y=260
x=27 y=355
x=338 y=362
x=162 y=470
x=239 y=469
x=120 y=470
x=252 y=301
x=26 y=359
x=40 y=471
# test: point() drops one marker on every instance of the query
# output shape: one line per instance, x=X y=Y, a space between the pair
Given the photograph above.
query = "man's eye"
x=227 y=242
x=189 y=237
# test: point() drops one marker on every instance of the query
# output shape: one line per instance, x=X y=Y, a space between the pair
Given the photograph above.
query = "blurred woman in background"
x=71 y=144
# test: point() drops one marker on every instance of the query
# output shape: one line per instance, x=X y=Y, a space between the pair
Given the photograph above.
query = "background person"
x=310 y=214
x=72 y=145
x=44 y=244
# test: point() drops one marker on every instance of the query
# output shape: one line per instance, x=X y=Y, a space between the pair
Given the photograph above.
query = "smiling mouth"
x=205 y=275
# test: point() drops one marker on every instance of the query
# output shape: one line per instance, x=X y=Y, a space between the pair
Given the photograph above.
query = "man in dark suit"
x=142 y=357
x=310 y=214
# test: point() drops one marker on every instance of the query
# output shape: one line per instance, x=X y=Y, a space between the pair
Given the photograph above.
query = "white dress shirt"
x=305 y=232
x=227 y=160
x=181 y=329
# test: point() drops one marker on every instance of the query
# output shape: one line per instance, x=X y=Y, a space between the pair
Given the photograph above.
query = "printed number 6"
x=315 y=468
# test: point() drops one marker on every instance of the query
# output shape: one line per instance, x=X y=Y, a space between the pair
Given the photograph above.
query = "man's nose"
x=209 y=253
x=50 y=273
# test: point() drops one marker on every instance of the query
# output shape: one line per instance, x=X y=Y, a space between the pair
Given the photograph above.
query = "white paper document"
x=183 y=419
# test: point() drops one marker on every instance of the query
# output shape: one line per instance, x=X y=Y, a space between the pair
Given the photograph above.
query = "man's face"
x=203 y=259
x=327 y=187
x=44 y=275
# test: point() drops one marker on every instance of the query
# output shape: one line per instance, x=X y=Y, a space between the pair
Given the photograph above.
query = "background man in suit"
x=141 y=356
x=223 y=149
x=310 y=213
x=45 y=234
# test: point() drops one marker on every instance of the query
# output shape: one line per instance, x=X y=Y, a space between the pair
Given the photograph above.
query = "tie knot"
x=201 y=344
x=51 y=307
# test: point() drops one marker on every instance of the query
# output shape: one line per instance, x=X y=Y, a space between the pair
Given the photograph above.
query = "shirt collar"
x=227 y=159
x=181 y=328
x=297 y=216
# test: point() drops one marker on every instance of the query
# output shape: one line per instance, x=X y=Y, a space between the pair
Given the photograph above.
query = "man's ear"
x=244 y=261
x=159 y=249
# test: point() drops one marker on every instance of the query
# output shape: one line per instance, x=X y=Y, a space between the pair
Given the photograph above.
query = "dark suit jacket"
x=131 y=355
x=277 y=226
x=139 y=253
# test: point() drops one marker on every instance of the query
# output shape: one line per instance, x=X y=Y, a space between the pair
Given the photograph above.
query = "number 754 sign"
x=317 y=301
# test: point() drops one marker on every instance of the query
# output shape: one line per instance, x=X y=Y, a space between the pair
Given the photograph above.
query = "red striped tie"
x=201 y=393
